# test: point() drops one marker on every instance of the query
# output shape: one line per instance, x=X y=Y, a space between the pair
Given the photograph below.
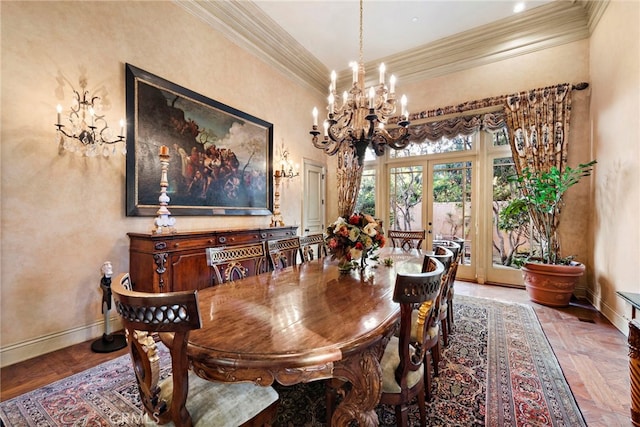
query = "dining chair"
x=234 y=262
x=307 y=245
x=435 y=330
x=456 y=249
x=402 y=363
x=446 y=257
x=283 y=252
x=182 y=399
x=407 y=239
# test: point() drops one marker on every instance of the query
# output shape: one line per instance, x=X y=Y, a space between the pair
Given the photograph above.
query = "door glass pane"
x=405 y=198
x=452 y=204
x=510 y=239
x=366 y=202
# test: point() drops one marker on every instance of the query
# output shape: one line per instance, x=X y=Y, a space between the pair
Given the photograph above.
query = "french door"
x=503 y=246
x=436 y=195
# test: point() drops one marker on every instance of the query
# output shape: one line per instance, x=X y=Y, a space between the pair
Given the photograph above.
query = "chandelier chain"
x=357 y=119
x=361 y=38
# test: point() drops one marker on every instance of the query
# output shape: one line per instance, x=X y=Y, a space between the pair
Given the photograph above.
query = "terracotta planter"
x=551 y=285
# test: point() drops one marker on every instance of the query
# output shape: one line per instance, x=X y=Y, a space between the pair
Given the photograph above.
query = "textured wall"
x=615 y=129
x=62 y=214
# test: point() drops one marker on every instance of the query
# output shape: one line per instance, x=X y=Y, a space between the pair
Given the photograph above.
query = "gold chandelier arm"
x=329 y=146
x=396 y=139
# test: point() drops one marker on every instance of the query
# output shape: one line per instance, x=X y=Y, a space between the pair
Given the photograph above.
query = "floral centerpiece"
x=354 y=237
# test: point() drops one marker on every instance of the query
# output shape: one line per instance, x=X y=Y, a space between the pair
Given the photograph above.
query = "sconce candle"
x=164 y=150
x=59 y=109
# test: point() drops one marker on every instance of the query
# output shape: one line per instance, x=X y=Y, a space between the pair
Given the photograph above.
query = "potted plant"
x=550 y=279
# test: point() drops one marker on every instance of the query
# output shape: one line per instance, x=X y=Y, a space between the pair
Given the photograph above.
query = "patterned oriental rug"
x=492 y=340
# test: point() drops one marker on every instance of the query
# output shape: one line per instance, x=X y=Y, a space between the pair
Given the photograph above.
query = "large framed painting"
x=221 y=158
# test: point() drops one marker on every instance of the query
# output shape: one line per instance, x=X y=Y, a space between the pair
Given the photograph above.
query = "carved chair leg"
x=402 y=418
x=435 y=354
x=423 y=409
x=444 y=327
x=450 y=314
x=428 y=377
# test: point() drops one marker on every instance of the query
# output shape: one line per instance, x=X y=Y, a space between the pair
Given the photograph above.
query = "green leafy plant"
x=541 y=201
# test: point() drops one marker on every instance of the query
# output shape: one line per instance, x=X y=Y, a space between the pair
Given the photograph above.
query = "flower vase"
x=344 y=266
x=363 y=260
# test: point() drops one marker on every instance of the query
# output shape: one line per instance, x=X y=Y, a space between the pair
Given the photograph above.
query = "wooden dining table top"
x=305 y=315
x=303 y=323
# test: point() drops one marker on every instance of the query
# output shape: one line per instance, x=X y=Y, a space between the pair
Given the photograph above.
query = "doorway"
x=313 y=206
x=437 y=196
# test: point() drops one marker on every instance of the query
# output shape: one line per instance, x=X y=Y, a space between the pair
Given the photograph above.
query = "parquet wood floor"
x=592 y=352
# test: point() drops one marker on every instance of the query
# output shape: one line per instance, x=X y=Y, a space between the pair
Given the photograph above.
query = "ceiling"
x=329 y=30
x=306 y=39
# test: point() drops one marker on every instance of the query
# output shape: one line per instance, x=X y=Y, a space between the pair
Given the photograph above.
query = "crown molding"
x=246 y=25
x=547 y=26
x=595 y=9
x=553 y=24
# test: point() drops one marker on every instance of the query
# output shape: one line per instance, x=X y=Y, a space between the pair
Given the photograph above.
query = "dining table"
x=303 y=323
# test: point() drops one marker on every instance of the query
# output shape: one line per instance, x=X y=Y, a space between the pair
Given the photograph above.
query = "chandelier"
x=88 y=132
x=359 y=118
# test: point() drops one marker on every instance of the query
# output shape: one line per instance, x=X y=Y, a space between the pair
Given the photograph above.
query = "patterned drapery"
x=452 y=127
x=538 y=122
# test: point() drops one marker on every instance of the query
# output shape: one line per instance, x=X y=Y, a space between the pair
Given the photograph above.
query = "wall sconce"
x=286 y=171
x=286 y=167
x=88 y=131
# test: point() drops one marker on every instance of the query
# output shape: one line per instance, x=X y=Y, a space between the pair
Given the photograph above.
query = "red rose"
x=354 y=219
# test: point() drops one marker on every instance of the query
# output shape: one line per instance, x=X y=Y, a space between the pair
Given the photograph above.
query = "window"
x=443 y=145
x=405 y=201
x=366 y=202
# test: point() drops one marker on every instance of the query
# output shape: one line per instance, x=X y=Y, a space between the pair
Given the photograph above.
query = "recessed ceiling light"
x=519 y=7
x=415 y=19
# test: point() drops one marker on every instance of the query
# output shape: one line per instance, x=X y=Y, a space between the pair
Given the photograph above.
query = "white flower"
x=355 y=253
x=339 y=221
x=370 y=229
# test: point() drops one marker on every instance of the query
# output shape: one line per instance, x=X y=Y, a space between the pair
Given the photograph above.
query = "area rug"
x=498 y=370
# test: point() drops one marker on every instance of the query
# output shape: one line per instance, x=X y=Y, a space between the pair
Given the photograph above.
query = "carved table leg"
x=634 y=370
x=363 y=371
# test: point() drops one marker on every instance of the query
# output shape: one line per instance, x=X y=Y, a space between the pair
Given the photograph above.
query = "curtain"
x=450 y=128
x=349 y=174
x=538 y=122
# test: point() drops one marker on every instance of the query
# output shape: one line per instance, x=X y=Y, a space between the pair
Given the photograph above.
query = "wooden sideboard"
x=178 y=262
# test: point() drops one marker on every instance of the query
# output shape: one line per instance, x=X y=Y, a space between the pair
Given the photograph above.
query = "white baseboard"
x=42 y=345
x=620 y=321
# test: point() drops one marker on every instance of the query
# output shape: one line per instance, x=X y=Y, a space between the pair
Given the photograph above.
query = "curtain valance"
x=454 y=126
